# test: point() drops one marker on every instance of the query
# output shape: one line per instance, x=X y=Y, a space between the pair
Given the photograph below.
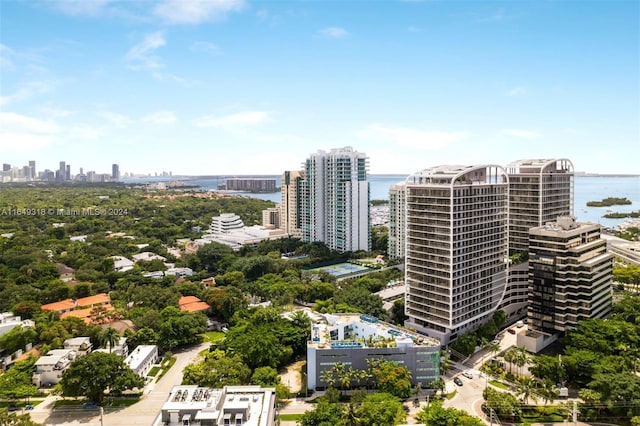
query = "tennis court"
x=340 y=270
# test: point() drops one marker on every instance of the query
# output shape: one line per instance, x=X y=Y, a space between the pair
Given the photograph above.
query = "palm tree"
x=526 y=389
x=510 y=357
x=109 y=336
x=521 y=358
x=548 y=391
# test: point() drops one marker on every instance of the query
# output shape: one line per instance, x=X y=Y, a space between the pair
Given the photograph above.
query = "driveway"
x=145 y=412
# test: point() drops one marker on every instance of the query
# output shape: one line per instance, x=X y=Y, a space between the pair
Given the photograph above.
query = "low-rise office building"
x=191 y=405
x=351 y=339
x=142 y=359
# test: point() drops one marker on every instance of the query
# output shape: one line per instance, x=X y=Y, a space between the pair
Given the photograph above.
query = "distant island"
x=622 y=215
x=610 y=201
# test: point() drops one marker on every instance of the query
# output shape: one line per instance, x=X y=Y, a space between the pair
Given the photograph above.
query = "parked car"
x=467 y=374
x=495 y=342
x=90 y=404
x=457 y=381
x=512 y=331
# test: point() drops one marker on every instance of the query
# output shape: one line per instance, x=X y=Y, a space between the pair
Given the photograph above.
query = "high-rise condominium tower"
x=290 y=208
x=335 y=200
x=115 y=172
x=395 y=244
x=539 y=192
x=570 y=275
x=456 y=247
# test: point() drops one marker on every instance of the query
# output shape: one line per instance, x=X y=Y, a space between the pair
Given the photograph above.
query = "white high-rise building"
x=335 y=200
x=540 y=191
x=397 y=205
x=456 y=247
x=290 y=208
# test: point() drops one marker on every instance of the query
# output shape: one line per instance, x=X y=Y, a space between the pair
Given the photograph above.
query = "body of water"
x=586 y=188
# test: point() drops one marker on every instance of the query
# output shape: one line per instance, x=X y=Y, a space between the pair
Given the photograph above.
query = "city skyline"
x=243 y=88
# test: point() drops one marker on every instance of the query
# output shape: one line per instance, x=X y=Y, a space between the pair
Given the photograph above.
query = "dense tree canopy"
x=91 y=375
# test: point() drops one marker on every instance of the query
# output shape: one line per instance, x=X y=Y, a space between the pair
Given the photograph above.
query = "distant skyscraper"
x=32 y=170
x=68 y=172
x=290 y=207
x=570 y=275
x=397 y=206
x=539 y=191
x=6 y=167
x=456 y=247
x=335 y=200
x=62 y=171
x=115 y=172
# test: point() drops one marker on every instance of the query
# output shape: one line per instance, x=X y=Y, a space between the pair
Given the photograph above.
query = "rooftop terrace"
x=350 y=331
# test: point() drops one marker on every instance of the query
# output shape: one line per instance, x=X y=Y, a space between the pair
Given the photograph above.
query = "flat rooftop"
x=364 y=331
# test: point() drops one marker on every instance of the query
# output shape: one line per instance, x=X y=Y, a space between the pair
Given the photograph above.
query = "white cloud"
x=411 y=138
x=160 y=118
x=231 y=121
x=523 y=134
x=21 y=132
x=167 y=76
x=26 y=91
x=516 y=91
x=140 y=55
x=333 y=32
x=56 y=112
x=115 y=119
x=196 y=11
x=13 y=121
x=205 y=46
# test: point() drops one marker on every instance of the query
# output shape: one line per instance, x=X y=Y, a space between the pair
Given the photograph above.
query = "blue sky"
x=241 y=87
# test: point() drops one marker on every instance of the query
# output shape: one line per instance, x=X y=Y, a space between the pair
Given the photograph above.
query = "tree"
x=505 y=405
x=390 y=377
x=379 y=409
x=14 y=419
x=397 y=312
x=217 y=370
x=15 y=383
x=325 y=414
x=548 y=391
x=526 y=389
x=91 y=375
x=265 y=376
x=436 y=415
x=109 y=337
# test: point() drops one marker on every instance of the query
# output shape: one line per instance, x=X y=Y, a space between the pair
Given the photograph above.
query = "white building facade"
x=456 y=247
x=397 y=221
x=335 y=200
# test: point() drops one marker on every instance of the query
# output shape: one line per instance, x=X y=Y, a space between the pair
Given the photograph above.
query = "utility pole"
x=101 y=416
x=575 y=412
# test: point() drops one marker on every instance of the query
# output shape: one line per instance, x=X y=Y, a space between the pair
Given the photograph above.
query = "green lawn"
x=290 y=417
x=212 y=336
x=154 y=370
x=498 y=384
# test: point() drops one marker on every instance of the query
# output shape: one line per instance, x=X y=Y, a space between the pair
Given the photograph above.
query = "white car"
x=467 y=374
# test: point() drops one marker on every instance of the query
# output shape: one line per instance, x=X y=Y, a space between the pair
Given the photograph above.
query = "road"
x=145 y=412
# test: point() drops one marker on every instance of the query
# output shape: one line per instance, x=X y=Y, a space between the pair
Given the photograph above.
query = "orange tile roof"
x=192 y=304
x=78 y=313
x=85 y=314
x=60 y=306
x=194 y=307
x=187 y=299
x=98 y=299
